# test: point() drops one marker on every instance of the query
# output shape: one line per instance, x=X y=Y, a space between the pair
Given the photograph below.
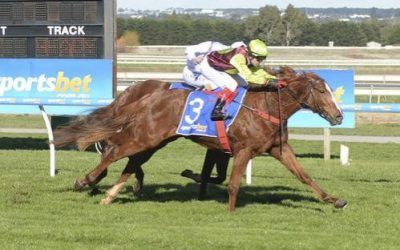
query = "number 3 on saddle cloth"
x=196 y=117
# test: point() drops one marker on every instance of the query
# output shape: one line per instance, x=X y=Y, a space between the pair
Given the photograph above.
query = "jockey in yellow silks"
x=230 y=67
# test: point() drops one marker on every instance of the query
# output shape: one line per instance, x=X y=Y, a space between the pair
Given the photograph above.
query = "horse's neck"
x=269 y=103
x=289 y=103
x=294 y=96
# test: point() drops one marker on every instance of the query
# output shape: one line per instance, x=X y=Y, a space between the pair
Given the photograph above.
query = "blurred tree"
x=310 y=34
x=266 y=26
x=129 y=38
x=394 y=37
x=201 y=31
x=227 y=32
x=342 y=33
x=120 y=27
x=293 y=21
x=372 y=30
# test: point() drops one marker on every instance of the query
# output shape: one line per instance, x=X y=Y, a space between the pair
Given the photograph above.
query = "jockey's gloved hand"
x=278 y=83
x=282 y=84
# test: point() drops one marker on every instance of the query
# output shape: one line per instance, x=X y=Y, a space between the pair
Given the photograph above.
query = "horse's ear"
x=287 y=70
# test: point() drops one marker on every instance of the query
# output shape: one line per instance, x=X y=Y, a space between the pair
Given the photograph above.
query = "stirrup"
x=218 y=115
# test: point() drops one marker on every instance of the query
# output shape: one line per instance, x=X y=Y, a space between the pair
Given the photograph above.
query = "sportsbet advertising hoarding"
x=64 y=86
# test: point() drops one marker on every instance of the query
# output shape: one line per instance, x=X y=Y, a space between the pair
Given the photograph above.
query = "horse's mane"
x=288 y=73
x=285 y=73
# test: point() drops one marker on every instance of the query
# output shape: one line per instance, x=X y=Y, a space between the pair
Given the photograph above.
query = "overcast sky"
x=215 y=4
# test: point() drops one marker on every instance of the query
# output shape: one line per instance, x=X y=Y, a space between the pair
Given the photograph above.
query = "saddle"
x=196 y=116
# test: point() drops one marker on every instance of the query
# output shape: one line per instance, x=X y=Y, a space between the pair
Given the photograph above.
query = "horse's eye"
x=321 y=91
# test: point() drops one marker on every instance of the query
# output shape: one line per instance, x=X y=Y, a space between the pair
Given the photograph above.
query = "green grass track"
x=275 y=212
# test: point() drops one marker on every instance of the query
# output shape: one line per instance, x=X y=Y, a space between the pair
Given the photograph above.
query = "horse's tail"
x=83 y=132
x=107 y=121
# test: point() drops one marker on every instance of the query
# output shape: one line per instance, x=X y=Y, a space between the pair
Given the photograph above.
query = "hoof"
x=187 y=173
x=106 y=201
x=137 y=188
x=95 y=191
x=340 y=204
x=78 y=185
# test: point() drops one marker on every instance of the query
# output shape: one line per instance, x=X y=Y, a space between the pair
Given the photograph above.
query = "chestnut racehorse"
x=137 y=130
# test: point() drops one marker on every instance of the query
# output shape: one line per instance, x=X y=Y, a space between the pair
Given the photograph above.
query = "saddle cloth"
x=196 y=117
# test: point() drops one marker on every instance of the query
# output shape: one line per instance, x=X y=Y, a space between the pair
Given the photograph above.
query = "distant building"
x=318 y=14
x=136 y=16
x=356 y=16
x=209 y=12
x=315 y=16
x=219 y=13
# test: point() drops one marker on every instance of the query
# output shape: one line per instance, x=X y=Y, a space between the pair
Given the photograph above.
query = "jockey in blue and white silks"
x=195 y=55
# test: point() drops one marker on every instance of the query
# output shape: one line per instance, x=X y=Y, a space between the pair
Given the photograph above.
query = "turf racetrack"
x=275 y=212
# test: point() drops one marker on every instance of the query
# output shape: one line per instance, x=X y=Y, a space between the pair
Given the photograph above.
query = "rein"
x=262 y=114
x=280 y=119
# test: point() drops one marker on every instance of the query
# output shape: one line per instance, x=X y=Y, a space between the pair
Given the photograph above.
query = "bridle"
x=311 y=99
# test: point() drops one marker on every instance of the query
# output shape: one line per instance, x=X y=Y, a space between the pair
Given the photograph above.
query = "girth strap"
x=223 y=137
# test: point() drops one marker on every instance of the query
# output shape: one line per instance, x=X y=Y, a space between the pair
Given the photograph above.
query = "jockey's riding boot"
x=217 y=114
x=225 y=96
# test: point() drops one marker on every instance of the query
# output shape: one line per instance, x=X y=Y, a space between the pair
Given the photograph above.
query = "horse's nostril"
x=339 y=118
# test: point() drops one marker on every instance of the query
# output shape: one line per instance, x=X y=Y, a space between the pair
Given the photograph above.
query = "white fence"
x=331 y=57
x=365 y=84
x=180 y=60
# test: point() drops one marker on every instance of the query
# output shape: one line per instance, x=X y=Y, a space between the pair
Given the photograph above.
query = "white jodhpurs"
x=219 y=78
x=196 y=79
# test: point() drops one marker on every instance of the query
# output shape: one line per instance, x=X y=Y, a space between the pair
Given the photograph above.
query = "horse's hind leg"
x=126 y=173
x=208 y=166
x=213 y=157
x=222 y=162
x=139 y=174
x=134 y=166
x=288 y=159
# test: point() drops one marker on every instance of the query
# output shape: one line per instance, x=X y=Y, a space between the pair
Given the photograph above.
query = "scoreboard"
x=57 y=29
x=48 y=49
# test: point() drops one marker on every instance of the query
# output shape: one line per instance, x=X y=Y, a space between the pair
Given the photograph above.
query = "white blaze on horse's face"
x=337 y=117
x=332 y=96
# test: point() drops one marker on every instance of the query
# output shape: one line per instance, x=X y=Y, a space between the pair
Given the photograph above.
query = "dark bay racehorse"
x=139 y=129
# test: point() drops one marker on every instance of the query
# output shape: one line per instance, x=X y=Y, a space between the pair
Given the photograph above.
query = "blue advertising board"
x=68 y=86
x=342 y=85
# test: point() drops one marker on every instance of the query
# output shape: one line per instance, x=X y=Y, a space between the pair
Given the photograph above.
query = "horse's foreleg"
x=288 y=159
x=90 y=179
x=96 y=174
x=239 y=166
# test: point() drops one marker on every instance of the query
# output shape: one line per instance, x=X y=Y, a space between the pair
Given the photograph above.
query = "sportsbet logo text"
x=42 y=83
